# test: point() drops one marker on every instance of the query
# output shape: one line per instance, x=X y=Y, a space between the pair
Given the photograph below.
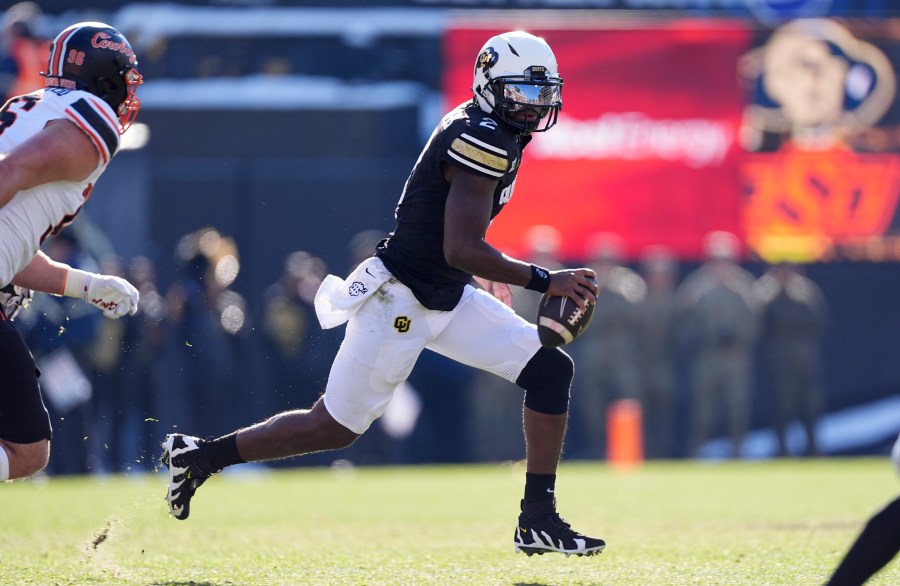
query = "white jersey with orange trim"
x=34 y=214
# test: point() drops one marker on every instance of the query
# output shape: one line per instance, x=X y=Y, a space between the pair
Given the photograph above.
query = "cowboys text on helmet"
x=97 y=58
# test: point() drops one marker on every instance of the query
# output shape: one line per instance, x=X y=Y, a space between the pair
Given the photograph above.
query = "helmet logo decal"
x=101 y=41
x=486 y=60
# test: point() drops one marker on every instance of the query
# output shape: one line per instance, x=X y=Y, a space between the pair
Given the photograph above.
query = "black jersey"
x=471 y=139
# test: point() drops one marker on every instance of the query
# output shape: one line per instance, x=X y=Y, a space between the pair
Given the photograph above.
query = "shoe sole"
x=166 y=460
x=530 y=551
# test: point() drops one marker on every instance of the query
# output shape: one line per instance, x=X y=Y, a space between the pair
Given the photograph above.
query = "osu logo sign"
x=402 y=323
x=800 y=203
x=810 y=188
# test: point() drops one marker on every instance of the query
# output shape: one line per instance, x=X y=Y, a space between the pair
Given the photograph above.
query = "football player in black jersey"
x=55 y=143
x=417 y=292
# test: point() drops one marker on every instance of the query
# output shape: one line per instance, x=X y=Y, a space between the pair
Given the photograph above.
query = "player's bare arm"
x=113 y=295
x=43 y=274
x=466 y=220
x=60 y=152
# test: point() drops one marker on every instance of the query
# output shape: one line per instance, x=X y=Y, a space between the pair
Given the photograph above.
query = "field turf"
x=667 y=523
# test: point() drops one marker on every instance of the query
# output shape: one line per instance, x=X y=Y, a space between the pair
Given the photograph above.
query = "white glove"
x=895 y=454
x=114 y=295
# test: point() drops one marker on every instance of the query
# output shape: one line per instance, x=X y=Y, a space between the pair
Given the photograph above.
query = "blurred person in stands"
x=56 y=143
x=23 y=53
x=139 y=403
x=876 y=545
x=607 y=352
x=657 y=344
x=104 y=366
x=297 y=351
x=201 y=372
x=287 y=324
x=124 y=358
x=417 y=293
x=719 y=324
x=793 y=321
x=363 y=244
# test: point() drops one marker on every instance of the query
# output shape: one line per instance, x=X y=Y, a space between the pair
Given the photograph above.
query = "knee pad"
x=547 y=379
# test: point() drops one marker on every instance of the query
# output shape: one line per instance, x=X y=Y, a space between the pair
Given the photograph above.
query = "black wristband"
x=540 y=279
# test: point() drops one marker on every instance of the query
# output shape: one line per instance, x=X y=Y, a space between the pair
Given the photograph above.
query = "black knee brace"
x=547 y=379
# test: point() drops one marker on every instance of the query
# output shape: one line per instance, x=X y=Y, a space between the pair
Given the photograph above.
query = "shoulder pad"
x=481 y=145
x=93 y=116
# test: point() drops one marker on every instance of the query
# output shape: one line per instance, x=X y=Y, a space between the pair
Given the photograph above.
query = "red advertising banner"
x=647 y=143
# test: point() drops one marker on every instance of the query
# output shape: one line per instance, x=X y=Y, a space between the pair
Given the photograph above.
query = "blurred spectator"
x=718 y=323
x=199 y=360
x=607 y=354
x=793 y=321
x=23 y=54
x=363 y=244
x=109 y=392
x=495 y=418
x=298 y=367
x=125 y=362
x=297 y=352
x=142 y=348
x=658 y=349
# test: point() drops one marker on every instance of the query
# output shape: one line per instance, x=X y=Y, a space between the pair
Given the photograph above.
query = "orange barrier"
x=624 y=434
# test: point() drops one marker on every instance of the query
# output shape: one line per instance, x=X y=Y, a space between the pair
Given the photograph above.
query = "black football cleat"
x=542 y=530
x=185 y=476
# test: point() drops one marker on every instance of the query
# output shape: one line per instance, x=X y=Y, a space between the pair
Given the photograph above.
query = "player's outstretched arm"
x=113 y=295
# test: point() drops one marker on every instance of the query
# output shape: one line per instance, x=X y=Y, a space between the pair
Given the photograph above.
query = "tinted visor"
x=520 y=95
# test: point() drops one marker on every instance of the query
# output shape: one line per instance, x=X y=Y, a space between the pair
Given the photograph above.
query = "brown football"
x=559 y=320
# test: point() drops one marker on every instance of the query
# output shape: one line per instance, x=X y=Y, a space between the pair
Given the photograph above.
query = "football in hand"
x=560 y=320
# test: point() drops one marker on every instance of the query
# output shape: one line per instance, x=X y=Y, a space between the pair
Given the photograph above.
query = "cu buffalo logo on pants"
x=401 y=324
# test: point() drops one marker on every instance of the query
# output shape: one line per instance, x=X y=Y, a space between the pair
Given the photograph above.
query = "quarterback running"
x=435 y=283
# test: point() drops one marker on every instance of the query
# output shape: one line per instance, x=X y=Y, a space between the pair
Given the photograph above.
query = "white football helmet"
x=516 y=78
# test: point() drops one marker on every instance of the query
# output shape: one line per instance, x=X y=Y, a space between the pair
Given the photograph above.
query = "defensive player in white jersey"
x=417 y=292
x=54 y=145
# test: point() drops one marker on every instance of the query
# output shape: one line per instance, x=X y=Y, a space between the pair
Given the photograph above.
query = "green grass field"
x=669 y=523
